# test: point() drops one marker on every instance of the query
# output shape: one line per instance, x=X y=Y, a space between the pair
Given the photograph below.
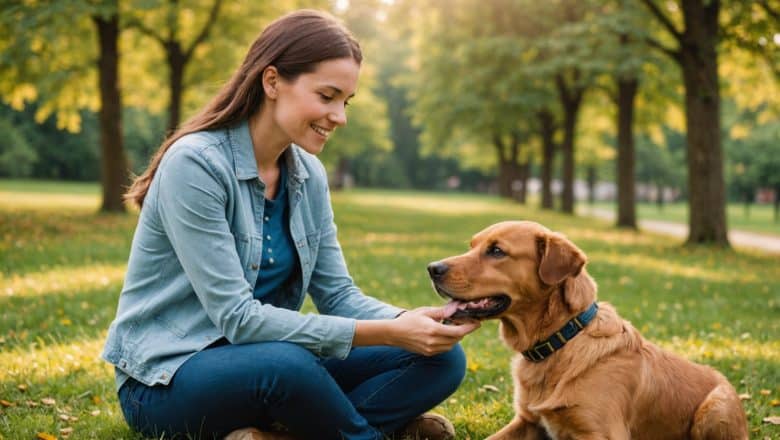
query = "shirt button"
x=267 y=237
x=254 y=266
x=270 y=251
x=271 y=260
x=266 y=218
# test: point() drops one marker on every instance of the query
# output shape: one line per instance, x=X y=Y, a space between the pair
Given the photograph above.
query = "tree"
x=696 y=54
x=47 y=52
x=168 y=33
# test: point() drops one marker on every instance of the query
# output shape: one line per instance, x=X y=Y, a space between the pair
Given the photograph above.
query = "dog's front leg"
x=520 y=429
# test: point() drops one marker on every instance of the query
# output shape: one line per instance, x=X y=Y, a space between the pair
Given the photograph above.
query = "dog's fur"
x=608 y=382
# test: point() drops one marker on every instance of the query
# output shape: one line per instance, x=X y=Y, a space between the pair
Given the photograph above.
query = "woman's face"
x=309 y=108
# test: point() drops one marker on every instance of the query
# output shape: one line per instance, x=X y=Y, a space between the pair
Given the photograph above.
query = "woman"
x=235 y=227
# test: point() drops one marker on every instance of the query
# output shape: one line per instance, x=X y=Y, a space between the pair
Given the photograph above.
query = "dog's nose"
x=437 y=269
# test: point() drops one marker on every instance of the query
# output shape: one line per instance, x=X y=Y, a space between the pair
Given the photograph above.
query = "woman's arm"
x=417 y=330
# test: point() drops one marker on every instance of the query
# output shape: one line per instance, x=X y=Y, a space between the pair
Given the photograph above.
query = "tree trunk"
x=547 y=128
x=699 y=62
x=592 y=178
x=570 y=98
x=626 y=191
x=176 y=63
x=525 y=170
x=114 y=169
x=509 y=172
x=342 y=171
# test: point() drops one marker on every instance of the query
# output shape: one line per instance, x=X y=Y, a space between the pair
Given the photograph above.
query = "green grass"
x=61 y=268
x=759 y=219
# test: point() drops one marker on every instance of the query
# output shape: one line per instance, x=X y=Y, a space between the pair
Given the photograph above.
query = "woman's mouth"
x=323 y=132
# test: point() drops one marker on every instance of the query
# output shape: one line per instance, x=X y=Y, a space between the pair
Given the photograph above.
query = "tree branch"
x=665 y=21
x=674 y=54
x=204 y=33
x=134 y=23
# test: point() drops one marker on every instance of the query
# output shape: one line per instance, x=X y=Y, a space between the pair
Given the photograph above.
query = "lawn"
x=758 y=218
x=61 y=269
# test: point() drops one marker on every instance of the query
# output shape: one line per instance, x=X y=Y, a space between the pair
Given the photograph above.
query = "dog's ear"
x=559 y=258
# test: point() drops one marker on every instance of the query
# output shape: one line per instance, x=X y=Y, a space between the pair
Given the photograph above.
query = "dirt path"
x=765 y=242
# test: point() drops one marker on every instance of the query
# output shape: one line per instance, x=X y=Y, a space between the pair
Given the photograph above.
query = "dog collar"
x=544 y=349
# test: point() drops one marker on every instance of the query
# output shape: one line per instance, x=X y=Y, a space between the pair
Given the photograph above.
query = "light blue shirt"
x=196 y=254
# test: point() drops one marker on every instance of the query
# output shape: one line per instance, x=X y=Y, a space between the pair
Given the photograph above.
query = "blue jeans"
x=370 y=394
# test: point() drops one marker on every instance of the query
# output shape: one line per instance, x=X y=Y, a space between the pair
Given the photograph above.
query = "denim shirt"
x=196 y=253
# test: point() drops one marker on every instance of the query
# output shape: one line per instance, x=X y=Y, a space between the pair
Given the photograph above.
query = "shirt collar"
x=244 y=155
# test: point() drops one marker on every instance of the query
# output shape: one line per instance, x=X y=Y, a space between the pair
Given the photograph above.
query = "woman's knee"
x=286 y=367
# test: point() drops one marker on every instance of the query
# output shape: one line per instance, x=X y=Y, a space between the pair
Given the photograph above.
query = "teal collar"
x=544 y=349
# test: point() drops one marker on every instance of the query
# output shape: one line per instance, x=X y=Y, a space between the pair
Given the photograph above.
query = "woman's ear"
x=270 y=82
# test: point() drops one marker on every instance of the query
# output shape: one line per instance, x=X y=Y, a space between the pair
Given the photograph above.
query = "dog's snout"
x=437 y=269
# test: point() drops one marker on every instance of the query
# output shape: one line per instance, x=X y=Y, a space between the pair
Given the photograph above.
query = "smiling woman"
x=235 y=228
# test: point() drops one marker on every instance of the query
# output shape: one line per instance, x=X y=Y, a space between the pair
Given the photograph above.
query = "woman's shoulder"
x=205 y=147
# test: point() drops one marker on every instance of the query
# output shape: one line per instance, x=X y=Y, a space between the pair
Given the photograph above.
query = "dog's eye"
x=495 y=251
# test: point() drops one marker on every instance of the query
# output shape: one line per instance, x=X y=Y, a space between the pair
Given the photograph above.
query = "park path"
x=765 y=242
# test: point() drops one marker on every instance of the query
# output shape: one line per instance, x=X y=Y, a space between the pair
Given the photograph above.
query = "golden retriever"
x=581 y=371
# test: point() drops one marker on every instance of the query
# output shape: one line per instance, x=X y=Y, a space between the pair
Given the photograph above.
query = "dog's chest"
x=551 y=431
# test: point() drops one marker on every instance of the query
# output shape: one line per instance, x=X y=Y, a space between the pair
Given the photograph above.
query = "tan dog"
x=604 y=381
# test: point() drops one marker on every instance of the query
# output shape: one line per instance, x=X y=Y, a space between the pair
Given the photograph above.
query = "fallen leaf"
x=773 y=420
x=775 y=402
x=66 y=431
x=32 y=404
x=490 y=388
x=45 y=436
x=64 y=417
x=745 y=396
x=95 y=412
x=22 y=387
x=765 y=392
x=6 y=403
x=96 y=400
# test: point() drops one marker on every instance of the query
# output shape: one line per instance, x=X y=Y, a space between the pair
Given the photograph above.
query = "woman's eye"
x=325 y=97
x=495 y=251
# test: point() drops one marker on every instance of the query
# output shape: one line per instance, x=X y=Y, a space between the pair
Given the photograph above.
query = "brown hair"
x=294 y=44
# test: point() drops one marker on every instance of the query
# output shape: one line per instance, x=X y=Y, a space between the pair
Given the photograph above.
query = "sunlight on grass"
x=716 y=347
x=439 y=204
x=43 y=360
x=643 y=262
x=48 y=202
x=61 y=279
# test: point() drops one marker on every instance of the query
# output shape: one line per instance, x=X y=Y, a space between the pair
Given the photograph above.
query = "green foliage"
x=63 y=268
x=17 y=156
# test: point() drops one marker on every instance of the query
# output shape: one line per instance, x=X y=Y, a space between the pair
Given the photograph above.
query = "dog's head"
x=510 y=265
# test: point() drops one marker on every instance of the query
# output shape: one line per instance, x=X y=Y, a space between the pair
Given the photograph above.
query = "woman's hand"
x=420 y=331
x=417 y=330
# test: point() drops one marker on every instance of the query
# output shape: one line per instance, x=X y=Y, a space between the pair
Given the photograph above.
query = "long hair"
x=294 y=44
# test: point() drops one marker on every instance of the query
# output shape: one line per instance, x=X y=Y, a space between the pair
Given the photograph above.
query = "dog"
x=581 y=371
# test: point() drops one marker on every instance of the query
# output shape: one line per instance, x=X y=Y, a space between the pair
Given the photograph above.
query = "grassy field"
x=61 y=269
x=759 y=218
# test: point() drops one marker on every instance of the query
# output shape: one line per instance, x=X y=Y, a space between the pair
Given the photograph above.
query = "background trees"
x=486 y=95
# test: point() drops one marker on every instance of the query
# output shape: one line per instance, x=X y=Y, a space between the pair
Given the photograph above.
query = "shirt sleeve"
x=194 y=196
x=331 y=288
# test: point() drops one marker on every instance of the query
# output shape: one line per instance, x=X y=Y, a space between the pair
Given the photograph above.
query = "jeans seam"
x=398 y=376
